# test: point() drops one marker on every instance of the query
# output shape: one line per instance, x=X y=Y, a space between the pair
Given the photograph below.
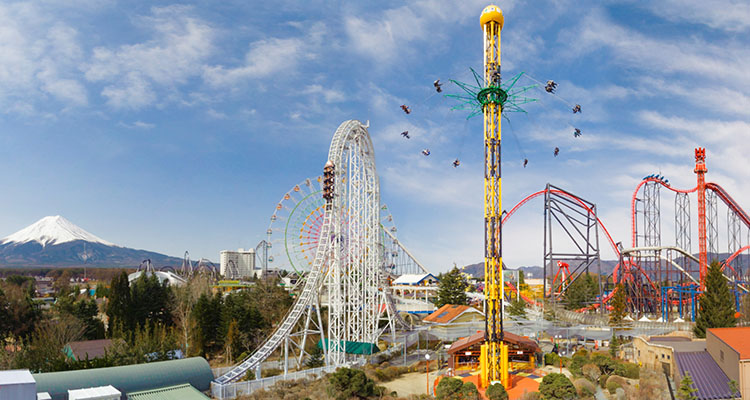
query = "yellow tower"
x=494 y=353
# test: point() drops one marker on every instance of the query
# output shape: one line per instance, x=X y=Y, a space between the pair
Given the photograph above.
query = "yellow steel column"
x=495 y=363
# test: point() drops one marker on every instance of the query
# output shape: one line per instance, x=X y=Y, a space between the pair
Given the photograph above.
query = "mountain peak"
x=53 y=230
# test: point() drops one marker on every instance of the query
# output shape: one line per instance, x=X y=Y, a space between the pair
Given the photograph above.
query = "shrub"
x=603 y=381
x=627 y=370
x=531 y=396
x=448 y=388
x=584 y=387
x=557 y=387
x=581 y=352
x=591 y=372
x=576 y=364
x=497 y=392
x=268 y=372
x=347 y=382
x=605 y=363
x=566 y=361
x=551 y=359
x=469 y=391
x=612 y=386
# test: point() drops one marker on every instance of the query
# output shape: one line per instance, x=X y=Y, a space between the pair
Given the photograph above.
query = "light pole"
x=427 y=357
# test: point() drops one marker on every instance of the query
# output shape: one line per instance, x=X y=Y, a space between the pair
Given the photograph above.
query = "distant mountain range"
x=477 y=270
x=56 y=242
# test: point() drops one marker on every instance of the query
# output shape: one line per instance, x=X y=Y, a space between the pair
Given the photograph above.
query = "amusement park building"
x=237 y=264
x=451 y=313
x=416 y=280
x=130 y=378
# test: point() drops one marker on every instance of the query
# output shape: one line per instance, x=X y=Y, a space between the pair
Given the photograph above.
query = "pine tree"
x=119 y=305
x=686 y=390
x=614 y=346
x=451 y=289
x=581 y=292
x=617 y=315
x=716 y=304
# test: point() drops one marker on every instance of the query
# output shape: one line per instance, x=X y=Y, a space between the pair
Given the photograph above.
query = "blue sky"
x=178 y=126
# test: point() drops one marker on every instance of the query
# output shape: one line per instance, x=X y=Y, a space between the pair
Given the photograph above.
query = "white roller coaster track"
x=301 y=305
x=346 y=257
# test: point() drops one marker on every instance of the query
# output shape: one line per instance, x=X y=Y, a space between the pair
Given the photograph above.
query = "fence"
x=234 y=389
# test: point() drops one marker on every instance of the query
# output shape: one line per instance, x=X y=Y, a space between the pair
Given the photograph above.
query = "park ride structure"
x=347 y=268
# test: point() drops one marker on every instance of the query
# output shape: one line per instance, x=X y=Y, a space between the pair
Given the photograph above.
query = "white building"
x=237 y=264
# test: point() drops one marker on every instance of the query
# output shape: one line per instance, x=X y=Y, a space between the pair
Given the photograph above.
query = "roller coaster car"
x=405 y=108
x=456 y=163
x=405 y=134
x=426 y=152
x=577 y=132
x=557 y=151
x=551 y=86
x=577 y=109
x=437 y=85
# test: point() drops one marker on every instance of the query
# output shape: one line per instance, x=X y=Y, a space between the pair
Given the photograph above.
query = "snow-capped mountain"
x=53 y=230
x=54 y=241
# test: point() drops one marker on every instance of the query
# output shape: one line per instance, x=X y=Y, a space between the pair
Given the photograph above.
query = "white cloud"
x=711 y=61
x=267 y=57
x=39 y=58
x=329 y=95
x=727 y=15
x=385 y=37
x=180 y=45
x=131 y=92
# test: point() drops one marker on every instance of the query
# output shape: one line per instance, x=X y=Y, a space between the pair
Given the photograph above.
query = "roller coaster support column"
x=700 y=169
x=494 y=352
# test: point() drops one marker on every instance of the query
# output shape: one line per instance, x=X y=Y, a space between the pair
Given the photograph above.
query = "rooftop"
x=16 y=376
x=735 y=338
x=177 y=392
x=108 y=390
x=508 y=337
x=448 y=313
x=679 y=344
x=93 y=348
x=708 y=378
x=411 y=279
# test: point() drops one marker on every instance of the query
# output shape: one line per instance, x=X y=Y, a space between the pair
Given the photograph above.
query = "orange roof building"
x=451 y=313
x=464 y=353
x=730 y=348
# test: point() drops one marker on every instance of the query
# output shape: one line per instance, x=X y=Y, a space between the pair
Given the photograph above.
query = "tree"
x=557 y=387
x=150 y=301
x=716 y=305
x=346 y=383
x=87 y=312
x=208 y=330
x=451 y=289
x=18 y=311
x=496 y=391
x=315 y=359
x=686 y=390
x=119 y=303
x=614 y=346
x=618 y=313
x=735 y=389
x=517 y=308
x=581 y=292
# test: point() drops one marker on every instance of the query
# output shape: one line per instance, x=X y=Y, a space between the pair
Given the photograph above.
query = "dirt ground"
x=412 y=383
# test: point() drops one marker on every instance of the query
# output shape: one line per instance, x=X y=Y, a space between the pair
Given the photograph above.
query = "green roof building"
x=194 y=371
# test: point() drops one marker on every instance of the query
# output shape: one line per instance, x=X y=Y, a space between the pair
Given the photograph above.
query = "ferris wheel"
x=294 y=230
